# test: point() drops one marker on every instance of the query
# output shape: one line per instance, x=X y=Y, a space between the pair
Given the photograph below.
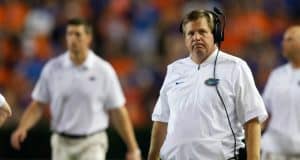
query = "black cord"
x=227 y=115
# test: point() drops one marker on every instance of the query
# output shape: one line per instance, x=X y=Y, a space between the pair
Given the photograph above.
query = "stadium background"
x=139 y=38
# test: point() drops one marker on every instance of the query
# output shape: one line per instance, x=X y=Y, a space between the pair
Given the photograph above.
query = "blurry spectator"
x=83 y=93
x=143 y=36
x=281 y=140
x=15 y=12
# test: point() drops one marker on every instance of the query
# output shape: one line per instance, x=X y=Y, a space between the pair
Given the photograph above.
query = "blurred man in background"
x=83 y=92
x=207 y=99
x=5 y=110
x=281 y=139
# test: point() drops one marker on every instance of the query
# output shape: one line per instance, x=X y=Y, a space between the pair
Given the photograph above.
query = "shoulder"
x=55 y=63
x=179 y=66
x=102 y=64
x=178 y=63
x=230 y=59
x=103 y=67
x=281 y=69
x=237 y=67
x=233 y=64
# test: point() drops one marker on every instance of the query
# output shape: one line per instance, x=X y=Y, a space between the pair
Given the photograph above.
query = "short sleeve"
x=161 y=110
x=249 y=103
x=115 y=97
x=267 y=93
x=41 y=92
x=2 y=100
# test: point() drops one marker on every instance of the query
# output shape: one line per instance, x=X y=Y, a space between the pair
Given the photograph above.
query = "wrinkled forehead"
x=200 y=22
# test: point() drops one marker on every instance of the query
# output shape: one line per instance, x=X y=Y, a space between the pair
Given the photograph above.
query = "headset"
x=218 y=34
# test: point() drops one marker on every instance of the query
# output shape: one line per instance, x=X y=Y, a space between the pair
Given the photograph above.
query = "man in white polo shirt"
x=5 y=110
x=281 y=139
x=83 y=92
x=190 y=120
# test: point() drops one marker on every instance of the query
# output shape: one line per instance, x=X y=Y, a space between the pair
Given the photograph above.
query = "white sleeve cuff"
x=261 y=115
x=160 y=119
x=2 y=100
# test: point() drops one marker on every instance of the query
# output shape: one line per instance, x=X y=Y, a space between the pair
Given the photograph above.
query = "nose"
x=72 y=38
x=196 y=36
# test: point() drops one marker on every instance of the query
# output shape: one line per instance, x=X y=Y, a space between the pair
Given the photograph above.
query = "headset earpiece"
x=217 y=32
x=217 y=28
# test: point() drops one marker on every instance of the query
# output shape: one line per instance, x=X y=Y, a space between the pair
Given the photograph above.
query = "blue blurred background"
x=139 y=38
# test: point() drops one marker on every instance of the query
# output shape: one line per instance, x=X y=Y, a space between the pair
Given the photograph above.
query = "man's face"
x=198 y=37
x=291 y=43
x=78 y=40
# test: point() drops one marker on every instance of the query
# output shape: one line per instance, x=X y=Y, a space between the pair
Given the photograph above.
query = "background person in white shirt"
x=190 y=121
x=281 y=139
x=83 y=92
x=5 y=110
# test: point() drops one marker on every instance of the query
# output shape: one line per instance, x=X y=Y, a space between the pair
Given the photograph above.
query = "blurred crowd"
x=138 y=37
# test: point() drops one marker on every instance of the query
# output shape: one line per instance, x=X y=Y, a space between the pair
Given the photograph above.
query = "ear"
x=89 y=38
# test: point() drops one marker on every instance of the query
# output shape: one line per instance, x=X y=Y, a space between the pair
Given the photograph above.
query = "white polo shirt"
x=79 y=96
x=197 y=122
x=282 y=99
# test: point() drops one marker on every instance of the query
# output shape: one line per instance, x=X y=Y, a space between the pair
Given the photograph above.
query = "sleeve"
x=249 y=103
x=267 y=93
x=115 y=97
x=2 y=100
x=41 y=92
x=161 y=110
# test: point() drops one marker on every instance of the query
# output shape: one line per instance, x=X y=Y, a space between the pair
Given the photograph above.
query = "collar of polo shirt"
x=88 y=63
x=209 y=60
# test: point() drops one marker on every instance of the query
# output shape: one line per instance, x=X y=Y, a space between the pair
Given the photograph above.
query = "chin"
x=200 y=51
x=74 y=51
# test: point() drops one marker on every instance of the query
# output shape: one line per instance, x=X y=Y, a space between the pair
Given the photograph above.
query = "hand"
x=17 y=138
x=134 y=155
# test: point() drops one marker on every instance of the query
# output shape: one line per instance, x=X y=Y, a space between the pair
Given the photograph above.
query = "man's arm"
x=30 y=117
x=158 y=135
x=253 y=134
x=121 y=122
x=5 y=112
x=265 y=124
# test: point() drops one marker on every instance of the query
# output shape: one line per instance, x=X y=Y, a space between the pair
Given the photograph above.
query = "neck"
x=199 y=58
x=296 y=64
x=79 y=57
